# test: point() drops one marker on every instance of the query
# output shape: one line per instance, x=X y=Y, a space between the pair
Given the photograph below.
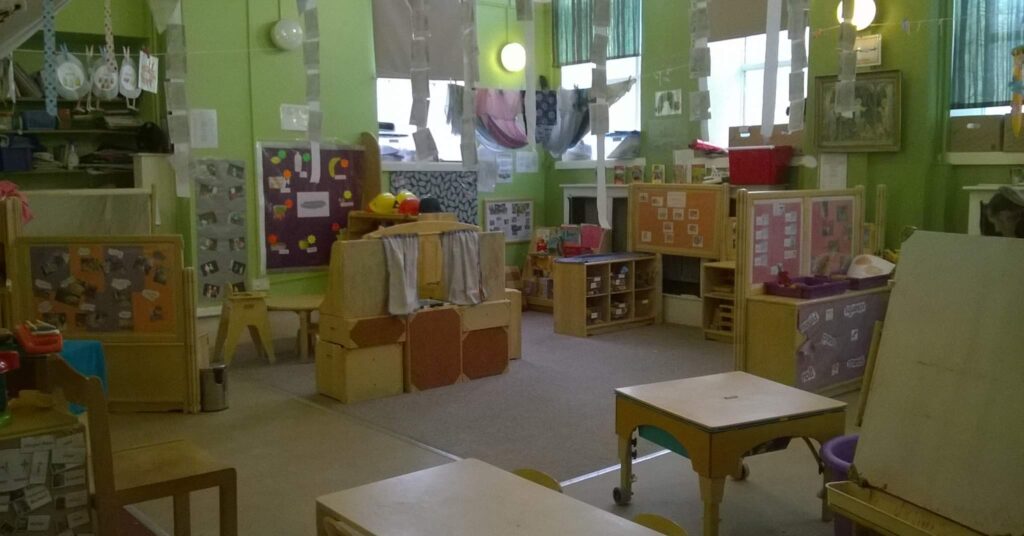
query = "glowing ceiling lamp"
x=864 y=12
x=513 y=57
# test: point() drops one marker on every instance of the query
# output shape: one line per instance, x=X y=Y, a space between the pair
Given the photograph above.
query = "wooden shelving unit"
x=605 y=292
x=718 y=290
x=538 y=291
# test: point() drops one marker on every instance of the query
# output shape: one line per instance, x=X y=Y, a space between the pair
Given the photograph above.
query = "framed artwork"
x=874 y=127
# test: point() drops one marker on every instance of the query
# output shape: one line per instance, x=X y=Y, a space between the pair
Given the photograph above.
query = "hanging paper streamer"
x=419 y=11
x=599 y=108
x=176 y=100
x=771 y=67
x=700 y=64
x=797 y=27
x=50 y=58
x=108 y=34
x=311 y=60
x=524 y=12
x=470 y=71
x=846 y=97
x=1018 y=94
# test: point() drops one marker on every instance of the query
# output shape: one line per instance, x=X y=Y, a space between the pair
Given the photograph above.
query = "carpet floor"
x=553 y=410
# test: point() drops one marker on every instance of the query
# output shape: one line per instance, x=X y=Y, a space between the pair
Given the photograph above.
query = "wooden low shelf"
x=605 y=292
x=538 y=281
x=718 y=290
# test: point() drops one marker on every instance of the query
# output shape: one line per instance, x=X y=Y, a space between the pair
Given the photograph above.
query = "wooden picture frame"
x=876 y=128
x=514 y=234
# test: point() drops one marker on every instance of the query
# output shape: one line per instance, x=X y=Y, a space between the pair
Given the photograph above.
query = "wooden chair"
x=172 y=469
x=538 y=477
x=662 y=525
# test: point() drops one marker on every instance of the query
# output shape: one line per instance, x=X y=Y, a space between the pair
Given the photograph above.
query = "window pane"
x=394 y=102
x=623 y=115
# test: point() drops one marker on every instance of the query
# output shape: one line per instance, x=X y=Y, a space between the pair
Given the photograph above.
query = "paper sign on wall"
x=202 y=125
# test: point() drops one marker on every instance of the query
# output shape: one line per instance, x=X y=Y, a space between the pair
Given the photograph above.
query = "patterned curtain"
x=573 y=30
x=984 y=33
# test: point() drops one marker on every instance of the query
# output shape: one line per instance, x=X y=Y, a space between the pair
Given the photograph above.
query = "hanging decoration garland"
x=599 y=103
x=311 y=59
x=771 y=68
x=419 y=74
x=108 y=33
x=700 y=64
x=847 y=80
x=50 y=58
x=177 y=102
x=470 y=71
x=524 y=14
x=797 y=26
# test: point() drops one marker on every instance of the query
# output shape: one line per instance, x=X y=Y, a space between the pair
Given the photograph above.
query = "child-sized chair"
x=172 y=469
x=662 y=525
x=538 y=477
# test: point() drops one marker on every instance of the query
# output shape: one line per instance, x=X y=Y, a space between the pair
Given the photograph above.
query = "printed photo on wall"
x=211 y=291
x=668 y=102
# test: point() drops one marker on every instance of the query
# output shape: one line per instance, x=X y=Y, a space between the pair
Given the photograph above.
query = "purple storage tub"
x=864 y=283
x=837 y=454
x=808 y=287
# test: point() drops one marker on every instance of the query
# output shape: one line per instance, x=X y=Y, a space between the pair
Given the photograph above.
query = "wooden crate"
x=485 y=353
x=433 y=349
x=362 y=332
x=353 y=375
x=491 y=314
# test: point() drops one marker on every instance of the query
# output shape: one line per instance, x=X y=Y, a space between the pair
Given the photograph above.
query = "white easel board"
x=943 y=425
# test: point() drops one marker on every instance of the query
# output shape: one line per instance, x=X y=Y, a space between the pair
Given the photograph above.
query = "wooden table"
x=468 y=497
x=302 y=305
x=718 y=419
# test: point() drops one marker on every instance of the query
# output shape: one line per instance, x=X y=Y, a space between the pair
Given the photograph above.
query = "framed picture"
x=875 y=126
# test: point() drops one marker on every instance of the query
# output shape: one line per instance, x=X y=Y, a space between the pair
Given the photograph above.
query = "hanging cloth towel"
x=402 y=254
x=500 y=111
x=547 y=114
x=9 y=189
x=462 y=267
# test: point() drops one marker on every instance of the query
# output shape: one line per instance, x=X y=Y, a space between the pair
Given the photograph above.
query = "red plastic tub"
x=766 y=164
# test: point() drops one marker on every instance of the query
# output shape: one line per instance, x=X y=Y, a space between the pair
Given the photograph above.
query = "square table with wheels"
x=715 y=421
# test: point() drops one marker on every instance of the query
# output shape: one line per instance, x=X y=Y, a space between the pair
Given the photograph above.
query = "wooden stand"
x=601 y=293
x=718 y=290
x=244 y=310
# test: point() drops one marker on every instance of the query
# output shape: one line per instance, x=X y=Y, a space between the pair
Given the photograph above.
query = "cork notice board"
x=677 y=219
x=95 y=286
x=777 y=231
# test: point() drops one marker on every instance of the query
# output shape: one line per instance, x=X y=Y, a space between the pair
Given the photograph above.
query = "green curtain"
x=574 y=28
x=984 y=33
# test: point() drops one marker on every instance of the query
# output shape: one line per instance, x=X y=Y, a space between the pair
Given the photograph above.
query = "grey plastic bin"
x=213 y=385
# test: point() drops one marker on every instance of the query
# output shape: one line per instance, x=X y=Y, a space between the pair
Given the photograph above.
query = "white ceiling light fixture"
x=864 y=12
x=513 y=57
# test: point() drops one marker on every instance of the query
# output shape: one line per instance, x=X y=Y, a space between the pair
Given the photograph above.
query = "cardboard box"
x=1012 y=143
x=976 y=134
x=751 y=137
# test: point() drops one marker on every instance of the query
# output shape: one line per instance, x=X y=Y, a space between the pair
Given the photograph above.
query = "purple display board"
x=838 y=339
x=301 y=215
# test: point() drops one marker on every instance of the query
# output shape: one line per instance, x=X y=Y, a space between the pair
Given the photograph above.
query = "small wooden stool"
x=302 y=305
x=244 y=310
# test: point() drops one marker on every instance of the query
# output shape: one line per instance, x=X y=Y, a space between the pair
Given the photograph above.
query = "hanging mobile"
x=71 y=75
x=104 y=77
x=129 y=86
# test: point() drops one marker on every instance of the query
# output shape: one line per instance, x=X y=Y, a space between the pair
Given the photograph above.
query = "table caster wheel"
x=744 y=473
x=620 y=498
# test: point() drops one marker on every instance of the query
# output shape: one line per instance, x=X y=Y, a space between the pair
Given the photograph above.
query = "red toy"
x=409 y=206
x=38 y=338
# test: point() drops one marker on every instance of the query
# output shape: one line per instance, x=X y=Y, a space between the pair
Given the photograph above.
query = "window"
x=624 y=115
x=984 y=33
x=737 y=84
x=394 y=101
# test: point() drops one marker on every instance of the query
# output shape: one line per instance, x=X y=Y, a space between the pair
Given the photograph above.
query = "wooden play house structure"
x=130 y=292
x=364 y=352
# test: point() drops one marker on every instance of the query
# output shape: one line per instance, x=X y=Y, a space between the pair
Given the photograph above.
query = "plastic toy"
x=384 y=203
x=410 y=206
x=430 y=205
x=37 y=338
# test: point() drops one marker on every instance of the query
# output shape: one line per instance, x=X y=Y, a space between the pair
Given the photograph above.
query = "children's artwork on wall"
x=669 y=102
x=831 y=235
x=302 y=214
x=513 y=217
x=833 y=330
x=96 y=287
x=677 y=219
x=876 y=124
x=456 y=190
x=221 y=230
x=777 y=231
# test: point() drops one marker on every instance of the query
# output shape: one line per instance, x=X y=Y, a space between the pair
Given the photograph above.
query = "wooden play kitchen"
x=605 y=292
x=715 y=421
x=463 y=498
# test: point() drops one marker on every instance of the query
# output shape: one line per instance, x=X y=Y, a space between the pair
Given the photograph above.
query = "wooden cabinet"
x=718 y=290
x=599 y=293
x=820 y=345
x=538 y=285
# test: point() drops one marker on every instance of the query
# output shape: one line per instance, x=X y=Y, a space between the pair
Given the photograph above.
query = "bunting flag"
x=311 y=60
x=49 y=58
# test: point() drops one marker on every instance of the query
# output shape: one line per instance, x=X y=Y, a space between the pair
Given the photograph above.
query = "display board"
x=832 y=224
x=221 y=230
x=104 y=286
x=838 y=337
x=942 y=420
x=456 y=190
x=777 y=231
x=512 y=217
x=677 y=219
x=302 y=211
